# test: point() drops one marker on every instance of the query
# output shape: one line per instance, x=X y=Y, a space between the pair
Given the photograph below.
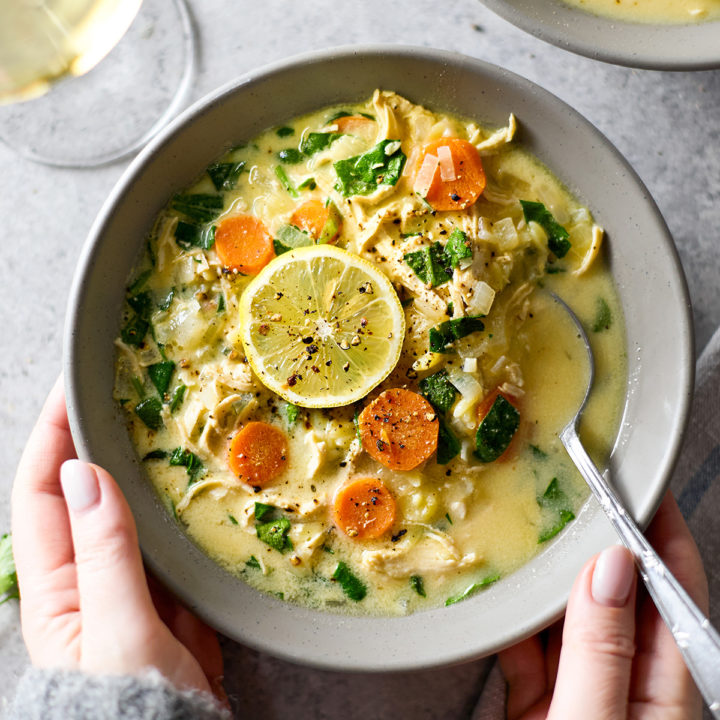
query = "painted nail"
x=613 y=576
x=79 y=484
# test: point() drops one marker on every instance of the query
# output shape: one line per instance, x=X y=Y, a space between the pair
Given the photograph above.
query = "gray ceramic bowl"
x=642 y=45
x=648 y=276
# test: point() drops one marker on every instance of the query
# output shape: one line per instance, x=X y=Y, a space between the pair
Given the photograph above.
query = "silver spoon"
x=696 y=638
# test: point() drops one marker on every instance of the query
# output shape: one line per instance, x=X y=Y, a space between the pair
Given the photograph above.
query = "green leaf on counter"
x=8 y=574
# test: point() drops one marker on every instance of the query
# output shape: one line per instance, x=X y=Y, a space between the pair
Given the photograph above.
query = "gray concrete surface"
x=666 y=125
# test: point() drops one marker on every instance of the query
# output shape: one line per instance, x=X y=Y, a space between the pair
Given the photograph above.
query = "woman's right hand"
x=614 y=658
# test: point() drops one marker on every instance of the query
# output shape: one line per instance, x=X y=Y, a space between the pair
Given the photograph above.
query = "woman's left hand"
x=85 y=601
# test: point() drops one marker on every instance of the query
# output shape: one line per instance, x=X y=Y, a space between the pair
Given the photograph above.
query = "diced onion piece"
x=447 y=167
x=593 y=250
x=505 y=234
x=470 y=389
x=484 y=229
x=481 y=299
x=470 y=365
x=426 y=175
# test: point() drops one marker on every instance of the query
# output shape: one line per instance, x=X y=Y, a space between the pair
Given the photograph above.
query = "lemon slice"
x=321 y=327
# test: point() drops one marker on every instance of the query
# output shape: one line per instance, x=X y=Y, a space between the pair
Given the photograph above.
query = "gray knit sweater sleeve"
x=73 y=695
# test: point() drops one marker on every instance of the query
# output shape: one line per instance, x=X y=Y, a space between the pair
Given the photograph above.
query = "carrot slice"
x=399 y=429
x=243 y=243
x=469 y=177
x=354 y=125
x=258 y=453
x=318 y=220
x=364 y=508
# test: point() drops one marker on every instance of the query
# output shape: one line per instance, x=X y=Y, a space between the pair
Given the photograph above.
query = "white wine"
x=43 y=40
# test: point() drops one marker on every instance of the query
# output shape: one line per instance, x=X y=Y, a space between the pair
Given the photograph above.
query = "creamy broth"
x=458 y=526
x=653 y=11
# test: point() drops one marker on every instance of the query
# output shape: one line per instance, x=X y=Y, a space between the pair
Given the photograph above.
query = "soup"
x=343 y=370
x=653 y=11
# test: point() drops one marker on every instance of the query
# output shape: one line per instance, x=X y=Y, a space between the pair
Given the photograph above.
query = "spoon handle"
x=696 y=638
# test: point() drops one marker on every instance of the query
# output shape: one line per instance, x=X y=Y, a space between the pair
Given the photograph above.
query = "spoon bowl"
x=697 y=640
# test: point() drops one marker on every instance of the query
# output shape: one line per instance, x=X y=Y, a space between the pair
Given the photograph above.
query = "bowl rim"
x=348 y=626
x=648 y=46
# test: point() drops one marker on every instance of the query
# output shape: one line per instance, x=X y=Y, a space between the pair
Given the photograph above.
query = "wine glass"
x=117 y=71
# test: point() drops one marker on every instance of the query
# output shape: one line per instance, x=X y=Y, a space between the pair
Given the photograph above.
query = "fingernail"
x=613 y=577
x=79 y=484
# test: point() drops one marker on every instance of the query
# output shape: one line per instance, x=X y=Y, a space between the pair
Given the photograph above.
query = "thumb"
x=598 y=640
x=115 y=602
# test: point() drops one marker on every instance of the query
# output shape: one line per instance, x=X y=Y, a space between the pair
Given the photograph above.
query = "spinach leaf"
x=314 y=142
x=448 y=445
x=603 y=316
x=189 y=235
x=8 y=574
x=290 y=412
x=538 y=453
x=134 y=331
x=496 y=430
x=416 y=583
x=331 y=226
x=161 y=373
x=458 y=247
x=285 y=131
x=564 y=517
x=308 y=183
x=190 y=461
x=356 y=423
x=263 y=510
x=430 y=264
x=150 y=412
x=142 y=304
x=200 y=207
x=285 y=181
x=139 y=282
x=139 y=386
x=290 y=156
x=352 y=586
x=275 y=534
x=447 y=332
x=253 y=563
x=290 y=237
x=472 y=589
x=177 y=398
x=557 y=235
x=362 y=174
x=555 y=499
x=439 y=391
x=221 y=303
x=155 y=455
x=224 y=176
